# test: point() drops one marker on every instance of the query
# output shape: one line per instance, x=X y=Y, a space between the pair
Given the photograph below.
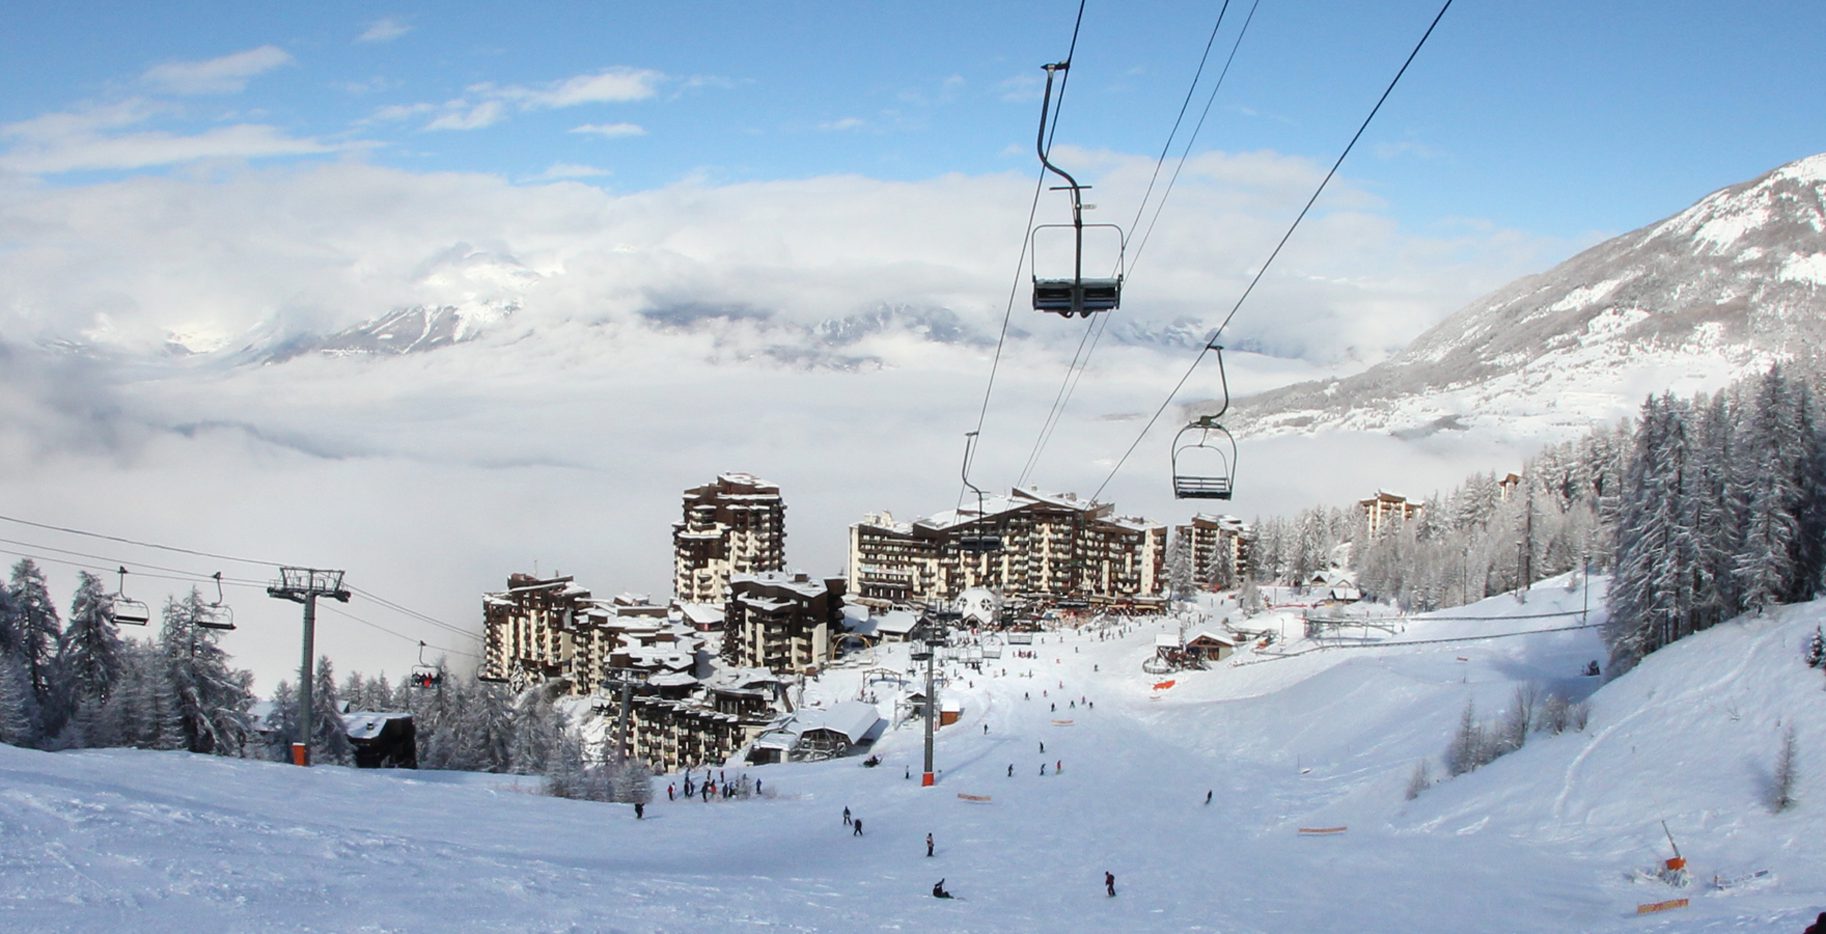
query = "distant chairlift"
x=217 y=615
x=1204 y=452
x=128 y=611
x=977 y=537
x=425 y=677
x=1076 y=295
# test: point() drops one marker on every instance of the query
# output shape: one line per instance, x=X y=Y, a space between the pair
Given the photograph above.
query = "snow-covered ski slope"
x=1550 y=838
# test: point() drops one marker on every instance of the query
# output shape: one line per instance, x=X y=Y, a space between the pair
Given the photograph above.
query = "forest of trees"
x=1704 y=509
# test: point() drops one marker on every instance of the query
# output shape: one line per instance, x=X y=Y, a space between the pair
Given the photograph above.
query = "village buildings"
x=736 y=524
x=1219 y=547
x=1387 y=507
x=781 y=622
x=1044 y=544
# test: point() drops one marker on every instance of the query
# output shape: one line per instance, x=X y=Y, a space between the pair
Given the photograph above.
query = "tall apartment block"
x=733 y=525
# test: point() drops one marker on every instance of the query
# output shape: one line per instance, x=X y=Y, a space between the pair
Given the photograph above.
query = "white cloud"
x=611 y=130
x=225 y=75
x=463 y=116
x=385 y=29
x=51 y=127
x=843 y=123
x=560 y=171
x=88 y=152
x=611 y=85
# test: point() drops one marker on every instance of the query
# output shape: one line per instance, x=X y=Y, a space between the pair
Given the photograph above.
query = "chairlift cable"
x=141 y=544
x=373 y=625
x=1210 y=343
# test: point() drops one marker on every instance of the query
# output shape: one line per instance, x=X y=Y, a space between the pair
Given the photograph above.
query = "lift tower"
x=305 y=585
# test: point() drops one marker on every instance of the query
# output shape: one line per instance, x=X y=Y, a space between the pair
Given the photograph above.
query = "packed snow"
x=1561 y=835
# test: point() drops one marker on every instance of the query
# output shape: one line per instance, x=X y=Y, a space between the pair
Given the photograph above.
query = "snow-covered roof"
x=1213 y=635
x=1166 y=640
x=702 y=614
x=672 y=679
x=854 y=719
x=896 y=622
x=798 y=582
x=367 y=724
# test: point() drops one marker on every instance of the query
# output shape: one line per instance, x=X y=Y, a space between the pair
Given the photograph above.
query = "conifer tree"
x=90 y=653
x=35 y=631
x=329 y=738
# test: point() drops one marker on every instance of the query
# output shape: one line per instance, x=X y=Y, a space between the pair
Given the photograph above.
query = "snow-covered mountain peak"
x=1731 y=284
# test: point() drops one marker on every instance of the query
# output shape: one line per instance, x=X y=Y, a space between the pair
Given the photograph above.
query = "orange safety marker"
x=1669 y=905
x=1163 y=685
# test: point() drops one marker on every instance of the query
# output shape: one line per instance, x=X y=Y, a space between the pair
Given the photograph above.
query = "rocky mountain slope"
x=1728 y=286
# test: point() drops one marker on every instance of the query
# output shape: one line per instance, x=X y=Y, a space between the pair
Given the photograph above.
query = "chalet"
x=382 y=740
x=1210 y=646
x=828 y=732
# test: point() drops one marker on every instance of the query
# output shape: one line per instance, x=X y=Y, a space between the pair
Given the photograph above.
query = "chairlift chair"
x=979 y=537
x=217 y=615
x=126 y=610
x=425 y=677
x=1204 y=452
x=1076 y=296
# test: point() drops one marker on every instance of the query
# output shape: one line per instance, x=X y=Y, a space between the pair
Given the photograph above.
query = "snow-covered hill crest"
x=1731 y=284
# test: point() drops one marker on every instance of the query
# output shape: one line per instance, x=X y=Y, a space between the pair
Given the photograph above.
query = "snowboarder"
x=1109 y=883
x=640 y=810
x=938 y=890
x=857 y=824
x=846 y=816
x=928 y=846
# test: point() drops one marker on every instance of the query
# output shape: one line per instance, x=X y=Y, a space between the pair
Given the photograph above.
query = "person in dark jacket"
x=857 y=827
x=938 y=890
x=1819 y=924
x=928 y=845
x=1109 y=882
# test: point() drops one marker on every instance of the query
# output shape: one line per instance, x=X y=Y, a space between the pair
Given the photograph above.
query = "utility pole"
x=305 y=585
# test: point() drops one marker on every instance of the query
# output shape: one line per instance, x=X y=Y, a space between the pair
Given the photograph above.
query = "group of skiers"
x=719 y=787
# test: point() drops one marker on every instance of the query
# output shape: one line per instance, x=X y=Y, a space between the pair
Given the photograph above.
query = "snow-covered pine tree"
x=19 y=724
x=35 y=630
x=1816 y=649
x=1765 y=567
x=1179 y=567
x=329 y=738
x=282 y=724
x=213 y=699
x=90 y=655
x=535 y=731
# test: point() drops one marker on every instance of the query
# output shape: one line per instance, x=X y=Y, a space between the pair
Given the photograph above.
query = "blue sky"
x=1561 y=119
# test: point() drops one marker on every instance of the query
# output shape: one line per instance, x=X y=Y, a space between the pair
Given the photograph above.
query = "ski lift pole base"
x=301 y=754
x=927 y=780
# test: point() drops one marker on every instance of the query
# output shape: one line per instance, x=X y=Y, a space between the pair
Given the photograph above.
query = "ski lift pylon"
x=1204 y=452
x=1075 y=295
x=125 y=609
x=217 y=615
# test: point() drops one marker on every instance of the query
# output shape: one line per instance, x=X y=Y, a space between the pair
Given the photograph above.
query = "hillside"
x=1545 y=839
x=1727 y=286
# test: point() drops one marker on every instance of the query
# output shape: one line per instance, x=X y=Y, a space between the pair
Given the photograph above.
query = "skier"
x=757 y=788
x=1010 y=770
x=1058 y=766
x=1042 y=770
x=985 y=729
x=858 y=828
x=938 y=890
x=1042 y=747
x=846 y=815
x=1109 y=883
x=928 y=846
x=1207 y=796
x=640 y=810
x=688 y=787
x=908 y=774
x=669 y=792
